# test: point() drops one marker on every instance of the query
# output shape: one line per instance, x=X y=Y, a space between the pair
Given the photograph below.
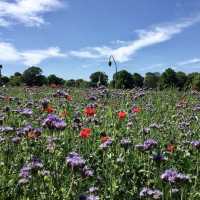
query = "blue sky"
x=73 y=38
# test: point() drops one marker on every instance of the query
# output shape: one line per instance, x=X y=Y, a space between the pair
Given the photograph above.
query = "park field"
x=99 y=144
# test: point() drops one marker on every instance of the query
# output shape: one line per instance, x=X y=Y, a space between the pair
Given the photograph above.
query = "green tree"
x=181 y=80
x=196 y=83
x=190 y=78
x=53 y=79
x=70 y=83
x=15 y=80
x=17 y=74
x=33 y=77
x=168 y=78
x=151 y=80
x=137 y=80
x=4 y=80
x=80 y=83
x=98 y=78
x=124 y=80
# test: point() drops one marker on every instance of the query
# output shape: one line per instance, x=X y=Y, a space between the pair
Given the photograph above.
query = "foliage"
x=190 y=78
x=15 y=80
x=33 y=77
x=98 y=78
x=53 y=79
x=168 y=78
x=196 y=82
x=181 y=80
x=123 y=79
x=4 y=80
x=107 y=145
x=137 y=80
x=151 y=80
x=70 y=83
x=80 y=83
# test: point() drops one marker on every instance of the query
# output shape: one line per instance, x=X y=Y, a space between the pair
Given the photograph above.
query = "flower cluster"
x=26 y=112
x=75 y=161
x=172 y=176
x=150 y=193
x=54 y=122
x=35 y=164
x=147 y=145
x=196 y=144
x=29 y=132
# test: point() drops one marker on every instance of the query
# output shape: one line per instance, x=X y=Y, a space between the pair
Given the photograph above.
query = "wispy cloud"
x=27 y=12
x=8 y=53
x=193 y=61
x=145 y=38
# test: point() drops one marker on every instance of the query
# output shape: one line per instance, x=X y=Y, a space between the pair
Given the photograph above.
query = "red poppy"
x=170 y=148
x=121 y=115
x=136 y=109
x=85 y=133
x=50 y=109
x=89 y=111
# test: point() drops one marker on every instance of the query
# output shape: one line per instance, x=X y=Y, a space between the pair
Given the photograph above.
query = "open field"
x=99 y=144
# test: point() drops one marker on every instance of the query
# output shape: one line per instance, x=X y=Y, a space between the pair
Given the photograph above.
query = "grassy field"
x=99 y=144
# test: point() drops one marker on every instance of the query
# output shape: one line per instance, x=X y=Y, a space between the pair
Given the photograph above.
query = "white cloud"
x=193 y=61
x=28 y=12
x=146 y=38
x=34 y=57
x=8 y=53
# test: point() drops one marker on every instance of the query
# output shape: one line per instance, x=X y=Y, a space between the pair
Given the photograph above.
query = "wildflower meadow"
x=99 y=144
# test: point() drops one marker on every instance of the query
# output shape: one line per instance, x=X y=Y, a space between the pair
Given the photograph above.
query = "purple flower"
x=147 y=145
x=87 y=171
x=196 y=144
x=60 y=93
x=35 y=163
x=27 y=129
x=45 y=103
x=92 y=197
x=172 y=176
x=75 y=160
x=146 y=130
x=159 y=157
x=147 y=192
x=106 y=144
x=125 y=142
x=25 y=175
x=54 y=122
x=93 y=189
x=16 y=140
x=6 y=129
x=26 y=112
x=25 y=172
x=92 y=98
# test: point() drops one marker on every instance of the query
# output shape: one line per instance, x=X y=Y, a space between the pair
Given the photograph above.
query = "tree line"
x=123 y=79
